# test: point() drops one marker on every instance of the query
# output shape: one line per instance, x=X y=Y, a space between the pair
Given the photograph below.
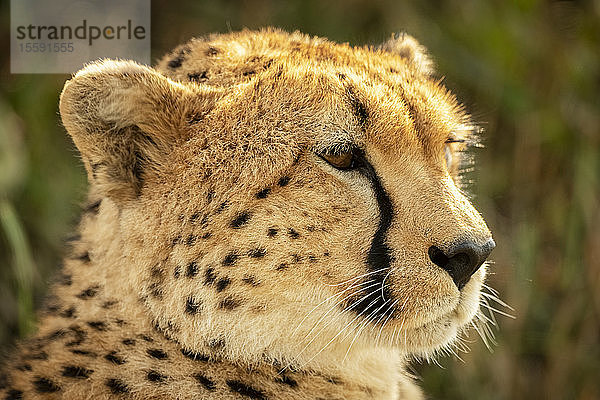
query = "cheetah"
x=270 y=216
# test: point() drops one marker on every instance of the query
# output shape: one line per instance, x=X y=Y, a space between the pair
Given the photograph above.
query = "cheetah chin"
x=270 y=216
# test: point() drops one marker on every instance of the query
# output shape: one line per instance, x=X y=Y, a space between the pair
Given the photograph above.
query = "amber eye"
x=345 y=160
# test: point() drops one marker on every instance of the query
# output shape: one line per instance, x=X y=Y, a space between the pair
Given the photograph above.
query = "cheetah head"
x=286 y=197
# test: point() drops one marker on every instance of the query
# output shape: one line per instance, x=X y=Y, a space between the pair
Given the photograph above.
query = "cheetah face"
x=289 y=196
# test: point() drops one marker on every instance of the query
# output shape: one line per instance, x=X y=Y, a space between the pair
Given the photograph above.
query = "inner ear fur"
x=408 y=48
x=125 y=118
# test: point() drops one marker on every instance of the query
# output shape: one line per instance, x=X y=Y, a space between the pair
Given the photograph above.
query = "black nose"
x=461 y=260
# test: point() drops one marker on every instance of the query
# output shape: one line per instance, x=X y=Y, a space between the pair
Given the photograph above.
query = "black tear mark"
x=229 y=303
x=209 y=276
x=245 y=390
x=283 y=181
x=379 y=257
x=156 y=377
x=230 y=259
x=45 y=385
x=192 y=306
x=192 y=355
x=204 y=381
x=117 y=386
x=222 y=284
x=76 y=371
x=263 y=193
x=157 y=353
x=240 y=220
x=192 y=269
x=114 y=358
x=198 y=76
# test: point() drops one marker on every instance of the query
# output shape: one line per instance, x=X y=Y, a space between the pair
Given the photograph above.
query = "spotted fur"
x=222 y=257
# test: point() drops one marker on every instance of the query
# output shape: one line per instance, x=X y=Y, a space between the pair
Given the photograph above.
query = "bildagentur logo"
x=63 y=35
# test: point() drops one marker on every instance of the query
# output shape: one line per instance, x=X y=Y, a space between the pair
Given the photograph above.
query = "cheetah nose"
x=461 y=261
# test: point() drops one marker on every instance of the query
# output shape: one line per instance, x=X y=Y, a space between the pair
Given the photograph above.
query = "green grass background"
x=529 y=71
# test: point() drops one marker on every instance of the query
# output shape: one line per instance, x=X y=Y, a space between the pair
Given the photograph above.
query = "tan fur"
x=216 y=232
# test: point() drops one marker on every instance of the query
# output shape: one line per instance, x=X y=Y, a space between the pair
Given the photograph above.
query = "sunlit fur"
x=217 y=229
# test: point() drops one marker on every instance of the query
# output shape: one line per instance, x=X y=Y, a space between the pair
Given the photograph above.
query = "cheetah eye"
x=345 y=160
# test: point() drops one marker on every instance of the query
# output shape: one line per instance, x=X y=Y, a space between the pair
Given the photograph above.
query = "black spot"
x=65 y=279
x=156 y=290
x=192 y=306
x=128 y=342
x=287 y=381
x=251 y=280
x=359 y=109
x=283 y=181
x=210 y=196
x=79 y=336
x=191 y=270
x=84 y=258
x=293 y=234
x=272 y=232
x=93 y=207
x=296 y=258
x=326 y=254
x=109 y=303
x=114 y=358
x=24 y=367
x=45 y=385
x=248 y=73
x=177 y=272
x=97 y=325
x=263 y=193
x=229 y=303
x=216 y=343
x=198 y=76
x=191 y=240
x=83 y=353
x=206 y=235
x=39 y=355
x=282 y=266
x=245 y=390
x=89 y=292
x=222 y=207
x=212 y=51
x=257 y=253
x=146 y=338
x=176 y=240
x=230 y=259
x=154 y=376
x=73 y=371
x=312 y=258
x=222 y=284
x=192 y=355
x=209 y=276
x=240 y=220
x=157 y=353
x=176 y=62
x=204 y=381
x=14 y=394
x=117 y=386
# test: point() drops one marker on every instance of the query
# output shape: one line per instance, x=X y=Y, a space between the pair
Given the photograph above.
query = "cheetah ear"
x=408 y=48
x=125 y=119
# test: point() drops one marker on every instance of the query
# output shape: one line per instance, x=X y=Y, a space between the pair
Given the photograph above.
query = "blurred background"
x=528 y=70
